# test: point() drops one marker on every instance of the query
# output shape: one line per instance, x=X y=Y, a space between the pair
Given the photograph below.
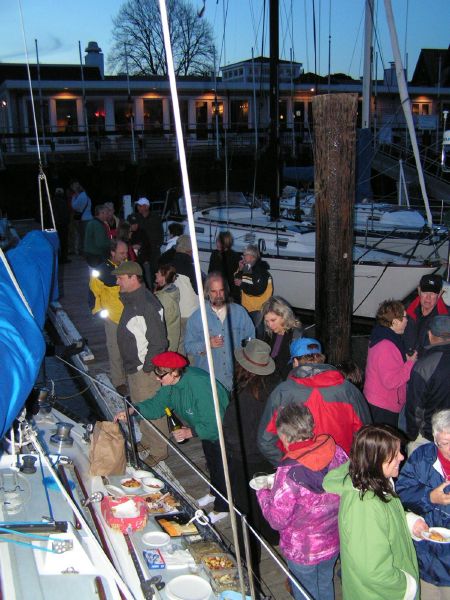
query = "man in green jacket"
x=187 y=390
x=96 y=238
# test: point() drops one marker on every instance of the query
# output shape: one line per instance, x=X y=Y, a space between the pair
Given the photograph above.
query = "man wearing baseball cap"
x=187 y=390
x=338 y=407
x=150 y=222
x=141 y=335
x=423 y=308
x=429 y=385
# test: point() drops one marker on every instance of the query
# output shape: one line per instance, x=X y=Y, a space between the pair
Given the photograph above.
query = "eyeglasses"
x=442 y=444
x=160 y=375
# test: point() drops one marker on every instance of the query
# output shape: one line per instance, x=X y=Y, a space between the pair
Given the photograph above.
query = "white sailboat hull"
x=290 y=254
x=294 y=280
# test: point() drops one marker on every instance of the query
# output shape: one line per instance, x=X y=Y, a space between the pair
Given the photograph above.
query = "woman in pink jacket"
x=299 y=508
x=388 y=366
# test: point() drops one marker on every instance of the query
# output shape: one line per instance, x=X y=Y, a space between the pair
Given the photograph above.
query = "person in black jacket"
x=281 y=327
x=429 y=385
x=226 y=261
x=141 y=335
x=255 y=379
x=138 y=241
x=428 y=304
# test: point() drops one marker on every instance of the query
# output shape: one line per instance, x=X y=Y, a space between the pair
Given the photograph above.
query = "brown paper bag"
x=107 y=453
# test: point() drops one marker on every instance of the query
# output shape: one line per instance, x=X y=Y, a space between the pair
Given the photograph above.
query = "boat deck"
x=74 y=300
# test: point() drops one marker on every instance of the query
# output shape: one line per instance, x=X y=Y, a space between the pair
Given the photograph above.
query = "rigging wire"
x=186 y=460
x=42 y=179
x=305 y=20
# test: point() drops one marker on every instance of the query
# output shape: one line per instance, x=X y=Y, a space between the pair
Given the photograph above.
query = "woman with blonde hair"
x=281 y=328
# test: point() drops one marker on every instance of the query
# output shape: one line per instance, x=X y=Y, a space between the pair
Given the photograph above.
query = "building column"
x=192 y=116
x=52 y=116
x=166 y=113
x=110 y=121
x=80 y=115
x=138 y=110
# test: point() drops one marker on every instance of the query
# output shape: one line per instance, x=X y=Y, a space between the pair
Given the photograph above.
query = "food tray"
x=222 y=581
x=198 y=549
x=177 y=525
x=168 y=506
x=124 y=523
x=216 y=562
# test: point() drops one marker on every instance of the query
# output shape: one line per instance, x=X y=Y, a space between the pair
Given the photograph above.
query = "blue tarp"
x=22 y=345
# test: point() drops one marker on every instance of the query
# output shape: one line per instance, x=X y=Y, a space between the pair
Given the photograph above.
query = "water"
x=68 y=385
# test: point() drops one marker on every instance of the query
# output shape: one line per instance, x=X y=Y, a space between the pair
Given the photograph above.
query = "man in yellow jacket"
x=105 y=297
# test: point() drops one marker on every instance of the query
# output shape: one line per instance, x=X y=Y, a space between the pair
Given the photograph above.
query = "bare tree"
x=138 y=37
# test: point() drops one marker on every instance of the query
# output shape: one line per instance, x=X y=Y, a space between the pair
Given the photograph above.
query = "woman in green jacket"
x=187 y=390
x=378 y=558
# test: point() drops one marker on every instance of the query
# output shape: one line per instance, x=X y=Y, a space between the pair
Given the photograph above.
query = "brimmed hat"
x=255 y=357
x=303 y=346
x=440 y=326
x=170 y=360
x=431 y=283
x=183 y=244
x=143 y=202
x=128 y=267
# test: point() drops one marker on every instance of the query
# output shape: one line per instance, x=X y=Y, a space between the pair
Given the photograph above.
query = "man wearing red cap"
x=187 y=390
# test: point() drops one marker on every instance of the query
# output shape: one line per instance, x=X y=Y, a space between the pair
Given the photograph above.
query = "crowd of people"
x=338 y=437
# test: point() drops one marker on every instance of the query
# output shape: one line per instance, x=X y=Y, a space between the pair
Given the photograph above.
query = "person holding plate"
x=424 y=487
x=378 y=559
x=299 y=507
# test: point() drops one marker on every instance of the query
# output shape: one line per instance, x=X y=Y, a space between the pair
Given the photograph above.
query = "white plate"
x=130 y=490
x=267 y=484
x=156 y=539
x=114 y=490
x=188 y=587
x=151 y=484
x=140 y=474
x=442 y=530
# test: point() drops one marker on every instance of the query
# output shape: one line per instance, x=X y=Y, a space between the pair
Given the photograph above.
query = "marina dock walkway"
x=74 y=279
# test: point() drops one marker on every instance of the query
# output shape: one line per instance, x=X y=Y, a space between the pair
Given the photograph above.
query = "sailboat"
x=382 y=266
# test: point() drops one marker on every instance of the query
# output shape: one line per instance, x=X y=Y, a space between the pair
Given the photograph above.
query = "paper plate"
x=156 y=539
x=151 y=484
x=188 y=587
x=442 y=530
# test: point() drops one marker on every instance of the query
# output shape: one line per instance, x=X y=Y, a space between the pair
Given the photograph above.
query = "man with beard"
x=228 y=325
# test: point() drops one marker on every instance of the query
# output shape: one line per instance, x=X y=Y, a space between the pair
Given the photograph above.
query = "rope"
x=14 y=281
x=41 y=176
x=123 y=588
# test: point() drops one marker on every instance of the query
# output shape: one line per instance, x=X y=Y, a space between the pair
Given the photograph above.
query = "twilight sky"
x=59 y=24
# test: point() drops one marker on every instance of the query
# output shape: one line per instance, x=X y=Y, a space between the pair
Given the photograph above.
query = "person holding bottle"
x=188 y=391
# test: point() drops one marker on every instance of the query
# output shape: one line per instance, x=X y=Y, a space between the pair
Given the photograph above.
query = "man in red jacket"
x=338 y=407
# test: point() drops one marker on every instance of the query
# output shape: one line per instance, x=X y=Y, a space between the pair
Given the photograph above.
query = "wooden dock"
x=74 y=278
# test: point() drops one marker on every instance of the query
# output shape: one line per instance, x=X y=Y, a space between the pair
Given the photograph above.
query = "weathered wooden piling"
x=335 y=154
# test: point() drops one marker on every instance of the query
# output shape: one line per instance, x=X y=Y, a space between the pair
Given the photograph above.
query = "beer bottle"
x=174 y=422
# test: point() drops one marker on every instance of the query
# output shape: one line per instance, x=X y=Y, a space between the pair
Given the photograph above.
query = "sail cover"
x=22 y=345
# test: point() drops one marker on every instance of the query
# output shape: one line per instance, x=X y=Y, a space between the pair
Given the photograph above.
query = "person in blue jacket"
x=424 y=488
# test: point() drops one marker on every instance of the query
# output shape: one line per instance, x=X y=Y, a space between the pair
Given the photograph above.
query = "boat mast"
x=368 y=62
x=274 y=134
x=406 y=105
